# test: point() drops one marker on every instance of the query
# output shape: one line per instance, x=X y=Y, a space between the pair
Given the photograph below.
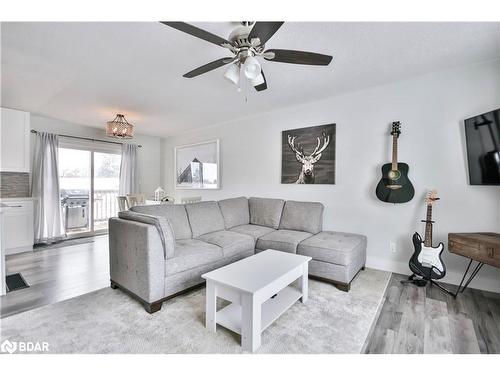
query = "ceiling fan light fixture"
x=247 y=42
x=233 y=73
x=251 y=67
x=259 y=80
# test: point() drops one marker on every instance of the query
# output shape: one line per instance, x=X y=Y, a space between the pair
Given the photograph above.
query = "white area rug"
x=109 y=321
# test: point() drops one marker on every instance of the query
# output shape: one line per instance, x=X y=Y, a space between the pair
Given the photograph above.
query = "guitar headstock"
x=396 y=128
x=431 y=197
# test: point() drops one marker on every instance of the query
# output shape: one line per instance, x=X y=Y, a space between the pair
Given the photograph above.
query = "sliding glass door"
x=88 y=182
x=75 y=184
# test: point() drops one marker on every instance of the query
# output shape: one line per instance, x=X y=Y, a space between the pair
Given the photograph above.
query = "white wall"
x=432 y=109
x=148 y=158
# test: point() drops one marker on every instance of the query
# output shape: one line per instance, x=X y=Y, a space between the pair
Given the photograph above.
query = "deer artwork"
x=307 y=173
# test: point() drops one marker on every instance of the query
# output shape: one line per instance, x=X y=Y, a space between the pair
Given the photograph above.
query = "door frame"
x=92 y=147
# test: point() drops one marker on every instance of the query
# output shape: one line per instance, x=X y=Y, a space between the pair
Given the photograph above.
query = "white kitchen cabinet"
x=17 y=226
x=15 y=140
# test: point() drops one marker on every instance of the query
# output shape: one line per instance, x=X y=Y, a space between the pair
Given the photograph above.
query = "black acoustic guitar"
x=395 y=186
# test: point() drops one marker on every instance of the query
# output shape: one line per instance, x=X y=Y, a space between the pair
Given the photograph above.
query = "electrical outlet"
x=392 y=246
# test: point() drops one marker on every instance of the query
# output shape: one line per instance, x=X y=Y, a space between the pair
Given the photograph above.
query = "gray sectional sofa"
x=158 y=251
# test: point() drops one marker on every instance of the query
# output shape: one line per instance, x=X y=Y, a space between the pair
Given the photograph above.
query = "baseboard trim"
x=18 y=250
x=452 y=277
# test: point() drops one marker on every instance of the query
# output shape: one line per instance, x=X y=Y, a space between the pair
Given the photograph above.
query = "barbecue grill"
x=75 y=204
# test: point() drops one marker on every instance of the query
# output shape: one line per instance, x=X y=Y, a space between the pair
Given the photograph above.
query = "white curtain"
x=129 y=179
x=45 y=188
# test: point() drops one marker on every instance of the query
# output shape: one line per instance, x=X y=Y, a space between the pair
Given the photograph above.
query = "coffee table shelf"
x=250 y=284
x=230 y=316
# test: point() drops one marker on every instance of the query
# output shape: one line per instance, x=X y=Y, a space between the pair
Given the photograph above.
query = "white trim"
x=479 y=282
x=217 y=142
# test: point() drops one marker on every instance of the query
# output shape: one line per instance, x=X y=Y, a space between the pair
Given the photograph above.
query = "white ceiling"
x=87 y=72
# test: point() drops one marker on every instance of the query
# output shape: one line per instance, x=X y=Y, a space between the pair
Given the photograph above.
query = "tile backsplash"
x=14 y=185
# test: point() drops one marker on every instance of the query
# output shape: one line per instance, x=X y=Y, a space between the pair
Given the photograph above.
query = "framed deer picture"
x=308 y=155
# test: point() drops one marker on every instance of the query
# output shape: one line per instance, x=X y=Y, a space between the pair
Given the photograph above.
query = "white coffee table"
x=251 y=285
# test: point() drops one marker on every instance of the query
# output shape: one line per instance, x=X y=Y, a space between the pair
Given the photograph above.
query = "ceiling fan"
x=247 y=43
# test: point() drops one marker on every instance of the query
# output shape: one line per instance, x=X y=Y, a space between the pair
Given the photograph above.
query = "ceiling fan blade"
x=197 y=32
x=208 y=67
x=298 y=57
x=262 y=86
x=264 y=30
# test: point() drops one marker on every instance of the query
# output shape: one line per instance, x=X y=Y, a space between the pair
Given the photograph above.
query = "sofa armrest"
x=136 y=257
x=163 y=226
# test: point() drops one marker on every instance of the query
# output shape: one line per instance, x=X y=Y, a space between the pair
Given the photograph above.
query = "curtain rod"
x=85 y=138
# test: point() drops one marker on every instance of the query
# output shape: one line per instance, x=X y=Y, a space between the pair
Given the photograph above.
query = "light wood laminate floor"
x=426 y=320
x=56 y=274
x=412 y=319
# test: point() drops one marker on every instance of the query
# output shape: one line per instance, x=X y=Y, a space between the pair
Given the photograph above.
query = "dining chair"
x=136 y=199
x=190 y=200
x=122 y=203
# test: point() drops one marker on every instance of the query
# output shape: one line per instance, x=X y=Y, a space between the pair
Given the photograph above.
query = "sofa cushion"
x=235 y=211
x=283 y=239
x=334 y=247
x=302 y=216
x=266 y=211
x=255 y=231
x=162 y=225
x=191 y=254
x=230 y=242
x=204 y=217
x=175 y=213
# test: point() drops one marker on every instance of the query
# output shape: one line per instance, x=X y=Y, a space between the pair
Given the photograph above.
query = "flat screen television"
x=482 y=134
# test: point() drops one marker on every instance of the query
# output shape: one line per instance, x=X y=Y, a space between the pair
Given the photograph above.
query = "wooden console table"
x=484 y=248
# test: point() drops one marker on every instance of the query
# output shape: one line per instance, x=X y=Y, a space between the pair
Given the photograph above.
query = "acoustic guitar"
x=395 y=186
x=426 y=259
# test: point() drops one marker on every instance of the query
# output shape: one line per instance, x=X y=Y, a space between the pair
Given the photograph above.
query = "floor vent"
x=16 y=281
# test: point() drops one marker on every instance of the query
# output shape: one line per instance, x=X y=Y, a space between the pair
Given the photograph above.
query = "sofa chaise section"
x=336 y=256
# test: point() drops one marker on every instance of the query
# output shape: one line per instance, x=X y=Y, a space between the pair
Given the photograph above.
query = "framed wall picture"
x=197 y=166
x=308 y=155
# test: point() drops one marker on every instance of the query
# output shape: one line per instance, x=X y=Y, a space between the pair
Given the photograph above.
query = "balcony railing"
x=105 y=206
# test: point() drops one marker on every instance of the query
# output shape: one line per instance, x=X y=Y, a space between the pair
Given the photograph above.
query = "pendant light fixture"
x=119 y=128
